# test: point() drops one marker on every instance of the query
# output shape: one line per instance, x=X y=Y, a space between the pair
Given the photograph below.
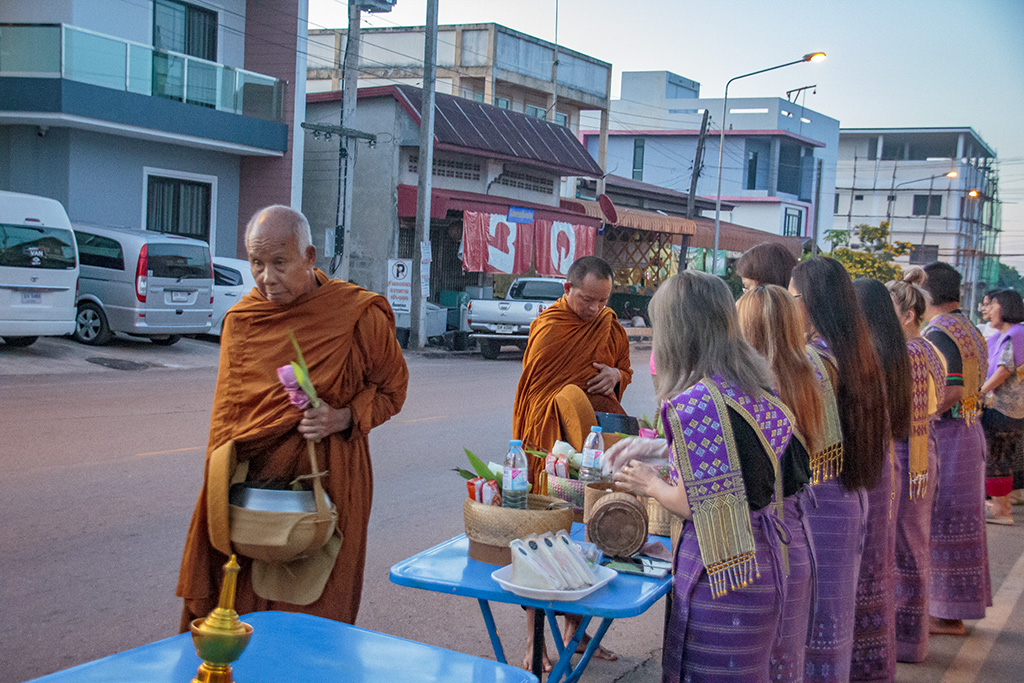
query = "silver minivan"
x=38 y=269
x=142 y=283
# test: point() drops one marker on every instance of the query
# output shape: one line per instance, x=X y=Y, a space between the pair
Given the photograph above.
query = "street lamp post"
x=928 y=208
x=809 y=57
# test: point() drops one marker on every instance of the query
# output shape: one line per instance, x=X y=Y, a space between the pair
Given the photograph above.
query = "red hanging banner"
x=491 y=244
x=558 y=244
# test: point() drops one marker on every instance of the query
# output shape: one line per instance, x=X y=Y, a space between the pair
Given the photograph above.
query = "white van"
x=38 y=269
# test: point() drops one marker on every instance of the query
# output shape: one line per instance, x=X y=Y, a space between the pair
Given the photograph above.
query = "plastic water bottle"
x=593 y=452
x=514 y=485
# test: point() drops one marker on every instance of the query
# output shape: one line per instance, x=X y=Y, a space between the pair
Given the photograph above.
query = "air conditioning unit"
x=376 y=5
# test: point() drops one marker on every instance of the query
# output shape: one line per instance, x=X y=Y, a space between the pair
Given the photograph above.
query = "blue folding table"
x=299 y=648
x=447 y=568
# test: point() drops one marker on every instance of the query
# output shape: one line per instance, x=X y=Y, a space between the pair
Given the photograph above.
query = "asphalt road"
x=100 y=468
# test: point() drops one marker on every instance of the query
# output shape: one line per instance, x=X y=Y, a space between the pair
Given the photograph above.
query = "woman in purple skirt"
x=726 y=434
x=770 y=321
x=915 y=459
x=960 y=583
x=874 y=633
x=856 y=435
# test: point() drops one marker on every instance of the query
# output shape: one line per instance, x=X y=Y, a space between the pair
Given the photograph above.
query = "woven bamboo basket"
x=490 y=528
x=660 y=521
x=596 y=490
x=618 y=524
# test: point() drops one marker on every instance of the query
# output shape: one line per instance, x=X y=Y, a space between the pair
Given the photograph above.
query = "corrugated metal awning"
x=640 y=219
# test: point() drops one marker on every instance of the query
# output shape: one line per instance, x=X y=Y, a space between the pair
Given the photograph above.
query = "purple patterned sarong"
x=728 y=637
x=837 y=519
x=913 y=560
x=960 y=582
x=874 y=632
x=787 y=661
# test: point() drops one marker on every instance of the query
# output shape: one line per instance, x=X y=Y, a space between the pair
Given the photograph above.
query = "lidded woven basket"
x=491 y=528
x=618 y=524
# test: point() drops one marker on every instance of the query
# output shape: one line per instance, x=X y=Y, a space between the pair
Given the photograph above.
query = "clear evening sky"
x=891 y=63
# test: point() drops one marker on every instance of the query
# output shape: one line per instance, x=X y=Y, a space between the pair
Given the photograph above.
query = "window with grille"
x=638 y=159
x=448 y=168
x=179 y=206
x=793 y=223
x=537 y=112
x=526 y=181
x=927 y=204
x=502 y=103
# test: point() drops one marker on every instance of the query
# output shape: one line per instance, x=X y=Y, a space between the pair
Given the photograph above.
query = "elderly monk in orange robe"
x=347 y=336
x=578 y=340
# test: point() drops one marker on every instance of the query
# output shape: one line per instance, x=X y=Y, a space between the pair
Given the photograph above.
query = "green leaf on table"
x=464 y=473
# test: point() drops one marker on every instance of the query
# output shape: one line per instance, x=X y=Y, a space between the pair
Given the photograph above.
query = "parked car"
x=496 y=322
x=142 y=283
x=38 y=269
x=232 y=279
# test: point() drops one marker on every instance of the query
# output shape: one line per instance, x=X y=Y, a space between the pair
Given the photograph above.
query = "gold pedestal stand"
x=221 y=637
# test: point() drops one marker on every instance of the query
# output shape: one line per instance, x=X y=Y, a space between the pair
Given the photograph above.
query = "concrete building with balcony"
x=487 y=63
x=938 y=188
x=155 y=114
x=778 y=161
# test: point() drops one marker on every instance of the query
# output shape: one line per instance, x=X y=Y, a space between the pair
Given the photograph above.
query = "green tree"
x=874 y=258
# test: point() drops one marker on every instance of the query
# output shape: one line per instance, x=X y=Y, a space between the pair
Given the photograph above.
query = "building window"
x=751 y=170
x=537 y=112
x=793 y=224
x=448 y=168
x=924 y=253
x=478 y=96
x=526 y=181
x=836 y=209
x=562 y=119
x=502 y=103
x=179 y=206
x=638 y=159
x=927 y=204
x=181 y=27
x=858 y=197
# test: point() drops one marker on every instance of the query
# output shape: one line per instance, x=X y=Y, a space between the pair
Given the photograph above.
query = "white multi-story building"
x=778 y=160
x=936 y=187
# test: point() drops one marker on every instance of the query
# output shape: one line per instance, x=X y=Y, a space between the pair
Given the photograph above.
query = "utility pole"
x=817 y=212
x=346 y=158
x=691 y=204
x=421 y=265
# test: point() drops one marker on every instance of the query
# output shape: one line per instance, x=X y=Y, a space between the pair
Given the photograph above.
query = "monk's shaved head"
x=588 y=265
x=285 y=217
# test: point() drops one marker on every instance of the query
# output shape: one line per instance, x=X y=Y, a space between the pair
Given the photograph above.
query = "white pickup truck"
x=496 y=322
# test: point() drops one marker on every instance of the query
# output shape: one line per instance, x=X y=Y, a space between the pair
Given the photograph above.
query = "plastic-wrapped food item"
x=490 y=494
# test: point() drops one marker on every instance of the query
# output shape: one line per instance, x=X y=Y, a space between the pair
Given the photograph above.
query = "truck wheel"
x=489 y=348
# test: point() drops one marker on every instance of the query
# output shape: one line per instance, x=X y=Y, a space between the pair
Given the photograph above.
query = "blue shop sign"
x=520 y=214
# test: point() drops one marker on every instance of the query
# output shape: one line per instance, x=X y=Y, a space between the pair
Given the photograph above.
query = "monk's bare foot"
x=947 y=627
x=599 y=653
x=528 y=660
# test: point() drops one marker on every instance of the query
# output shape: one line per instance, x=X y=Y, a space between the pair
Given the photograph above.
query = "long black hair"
x=827 y=293
x=891 y=346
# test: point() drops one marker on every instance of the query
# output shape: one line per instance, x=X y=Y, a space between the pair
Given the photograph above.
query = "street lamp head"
x=951 y=174
x=972 y=193
x=814 y=56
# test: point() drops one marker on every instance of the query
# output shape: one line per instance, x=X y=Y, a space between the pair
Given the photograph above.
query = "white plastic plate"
x=504 y=578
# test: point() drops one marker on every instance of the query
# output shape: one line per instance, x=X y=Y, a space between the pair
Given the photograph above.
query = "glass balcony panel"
x=258 y=96
x=31 y=50
x=202 y=83
x=99 y=60
x=168 y=76
x=226 y=90
x=140 y=69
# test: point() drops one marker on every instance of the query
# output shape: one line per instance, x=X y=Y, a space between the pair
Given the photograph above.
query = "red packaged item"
x=562 y=467
x=473 y=486
x=489 y=494
x=550 y=464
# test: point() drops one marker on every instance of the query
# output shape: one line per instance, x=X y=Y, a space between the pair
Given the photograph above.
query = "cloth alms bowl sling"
x=705 y=456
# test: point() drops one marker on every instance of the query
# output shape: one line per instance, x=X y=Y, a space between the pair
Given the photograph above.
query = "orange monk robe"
x=347 y=337
x=560 y=351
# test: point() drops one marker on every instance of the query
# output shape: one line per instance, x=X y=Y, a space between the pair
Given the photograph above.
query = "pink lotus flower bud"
x=296 y=395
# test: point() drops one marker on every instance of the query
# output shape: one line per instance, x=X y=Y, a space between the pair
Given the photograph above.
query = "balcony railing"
x=61 y=51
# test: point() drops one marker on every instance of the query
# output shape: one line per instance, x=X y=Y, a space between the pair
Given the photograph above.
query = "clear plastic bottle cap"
x=515 y=443
x=595 y=428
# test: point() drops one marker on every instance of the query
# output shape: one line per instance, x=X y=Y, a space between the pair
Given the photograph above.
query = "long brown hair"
x=832 y=309
x=770 y=321
x=696 y=335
